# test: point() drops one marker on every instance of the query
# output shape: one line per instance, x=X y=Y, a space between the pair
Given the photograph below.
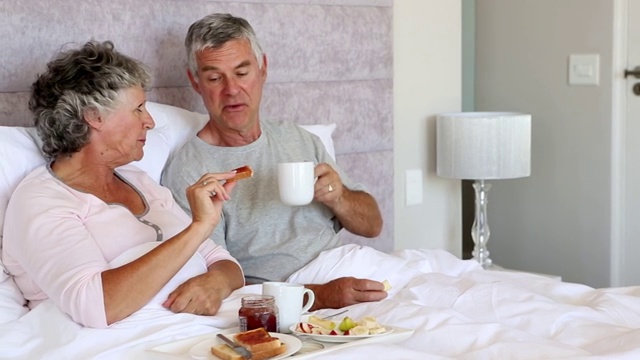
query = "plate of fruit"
x=345 y=330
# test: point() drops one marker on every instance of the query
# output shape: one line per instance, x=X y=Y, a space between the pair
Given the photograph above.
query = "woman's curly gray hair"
x=78 y=80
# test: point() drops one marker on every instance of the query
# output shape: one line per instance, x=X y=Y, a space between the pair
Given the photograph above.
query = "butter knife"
x=242 y=351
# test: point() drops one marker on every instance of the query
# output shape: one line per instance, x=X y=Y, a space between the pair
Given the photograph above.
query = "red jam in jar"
x=258 y=311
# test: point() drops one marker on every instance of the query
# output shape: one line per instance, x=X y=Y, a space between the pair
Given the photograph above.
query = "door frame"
x=618 y=143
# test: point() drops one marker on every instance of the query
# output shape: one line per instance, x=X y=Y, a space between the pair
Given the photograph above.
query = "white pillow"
x=20 y=153
x=12 y=302
x=174 y=126
x=325 y=133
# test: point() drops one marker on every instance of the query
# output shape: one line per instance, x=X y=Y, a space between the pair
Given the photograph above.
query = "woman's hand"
x=203 y=294
x=207 y=195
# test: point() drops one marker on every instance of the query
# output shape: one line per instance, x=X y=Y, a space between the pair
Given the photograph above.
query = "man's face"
x=230 y=84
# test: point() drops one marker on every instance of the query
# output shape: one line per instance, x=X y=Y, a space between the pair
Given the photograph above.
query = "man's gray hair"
x=215 y=30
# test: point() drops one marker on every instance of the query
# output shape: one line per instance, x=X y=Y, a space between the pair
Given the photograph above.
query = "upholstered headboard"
x=330 y=61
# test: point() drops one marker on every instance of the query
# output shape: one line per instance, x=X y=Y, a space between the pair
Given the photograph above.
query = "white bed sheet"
x=457 y=309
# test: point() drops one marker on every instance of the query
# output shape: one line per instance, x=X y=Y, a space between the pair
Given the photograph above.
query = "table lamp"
x=483 y=146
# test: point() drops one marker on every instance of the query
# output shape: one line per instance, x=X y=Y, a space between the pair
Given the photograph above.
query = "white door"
x=630 y=244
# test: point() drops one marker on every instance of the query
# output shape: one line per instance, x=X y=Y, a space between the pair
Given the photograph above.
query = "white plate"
x=202 y=350
x=341 y=338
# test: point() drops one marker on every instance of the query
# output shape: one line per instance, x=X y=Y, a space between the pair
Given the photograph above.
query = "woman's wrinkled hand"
x=207 y=195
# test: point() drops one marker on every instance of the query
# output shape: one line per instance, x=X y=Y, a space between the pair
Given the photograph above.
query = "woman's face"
x=124 y=131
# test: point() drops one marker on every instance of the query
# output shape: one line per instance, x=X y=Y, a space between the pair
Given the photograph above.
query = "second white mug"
x=295 y=182
x=289 y=298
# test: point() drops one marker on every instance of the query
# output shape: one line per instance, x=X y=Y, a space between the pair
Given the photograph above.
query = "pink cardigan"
x=57 y=240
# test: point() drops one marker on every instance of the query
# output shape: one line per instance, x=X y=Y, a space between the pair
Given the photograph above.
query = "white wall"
x=427 y=81
x=557 y=221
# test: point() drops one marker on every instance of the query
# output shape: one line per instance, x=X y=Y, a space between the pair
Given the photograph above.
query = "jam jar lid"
x=258 y=300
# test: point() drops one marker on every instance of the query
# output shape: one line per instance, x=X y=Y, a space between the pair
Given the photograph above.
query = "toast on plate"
x=225 y=352
x=258 y=341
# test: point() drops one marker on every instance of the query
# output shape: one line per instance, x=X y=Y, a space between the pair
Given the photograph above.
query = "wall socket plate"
x=413 y=187
x=584 y=69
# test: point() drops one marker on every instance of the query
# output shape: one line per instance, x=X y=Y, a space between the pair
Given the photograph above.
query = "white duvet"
x=457 y=309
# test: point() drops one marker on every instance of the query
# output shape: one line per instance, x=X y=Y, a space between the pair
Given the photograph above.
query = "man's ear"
x=193 y=81
x=264 y=67
x=92 y=117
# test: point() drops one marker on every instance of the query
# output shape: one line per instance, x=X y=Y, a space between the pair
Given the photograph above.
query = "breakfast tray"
x=180 y=349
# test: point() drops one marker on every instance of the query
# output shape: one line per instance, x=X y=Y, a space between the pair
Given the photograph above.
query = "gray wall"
x=468 y=54
x=558 y=220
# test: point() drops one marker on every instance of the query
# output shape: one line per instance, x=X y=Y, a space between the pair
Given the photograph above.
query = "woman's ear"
x=93 y=118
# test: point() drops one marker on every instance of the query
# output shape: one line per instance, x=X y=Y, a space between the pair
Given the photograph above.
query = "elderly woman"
x=68 y=220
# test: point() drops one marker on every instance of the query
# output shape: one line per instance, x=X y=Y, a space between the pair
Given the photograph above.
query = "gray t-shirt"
x=269 y=239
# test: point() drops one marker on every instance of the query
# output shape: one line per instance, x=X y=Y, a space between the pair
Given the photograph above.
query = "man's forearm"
x=358 y=212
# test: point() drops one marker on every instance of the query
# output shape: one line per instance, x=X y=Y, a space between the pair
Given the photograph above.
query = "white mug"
x=295 y=182
x=289 y=299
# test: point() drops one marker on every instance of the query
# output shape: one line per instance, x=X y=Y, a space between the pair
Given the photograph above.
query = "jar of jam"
x=258 y=311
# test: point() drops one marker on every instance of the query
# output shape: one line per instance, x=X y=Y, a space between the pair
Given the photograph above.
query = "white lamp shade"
x=483 y=145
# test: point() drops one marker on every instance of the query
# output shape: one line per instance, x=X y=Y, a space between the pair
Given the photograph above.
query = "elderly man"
x=270 y=240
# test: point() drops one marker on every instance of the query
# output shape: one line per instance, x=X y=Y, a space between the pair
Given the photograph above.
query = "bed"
x=438 y=307
x=441 y=307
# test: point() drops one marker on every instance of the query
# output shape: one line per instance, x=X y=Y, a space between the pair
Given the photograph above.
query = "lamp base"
x=482 y=256
x=480 y=230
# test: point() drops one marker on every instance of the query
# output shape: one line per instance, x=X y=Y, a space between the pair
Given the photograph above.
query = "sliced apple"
x=327 y=324
x=304 y=328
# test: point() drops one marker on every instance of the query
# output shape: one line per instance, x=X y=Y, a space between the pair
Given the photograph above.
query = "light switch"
x=413 y=187
x=584 y=69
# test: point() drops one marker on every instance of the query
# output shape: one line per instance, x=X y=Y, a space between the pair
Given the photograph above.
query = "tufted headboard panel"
x=330 y=61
